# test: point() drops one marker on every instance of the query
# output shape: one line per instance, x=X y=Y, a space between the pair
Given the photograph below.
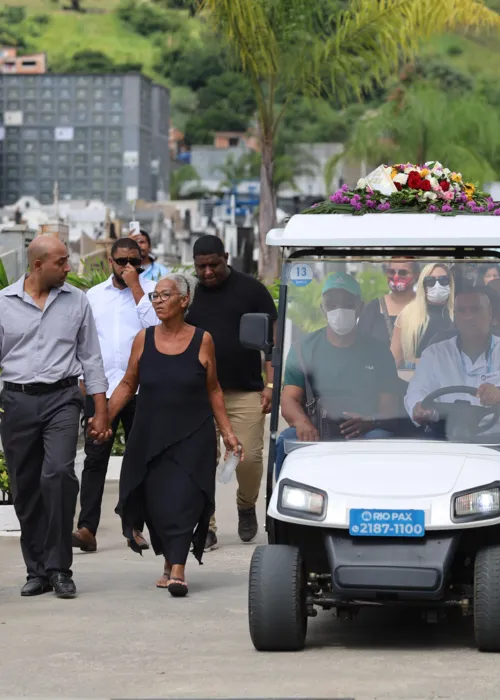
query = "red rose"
x=425 y=185
x=398 y=186
x=445 y=185
x=414 y=180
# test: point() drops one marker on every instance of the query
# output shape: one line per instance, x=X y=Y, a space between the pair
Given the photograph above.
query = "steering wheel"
x=462 y=418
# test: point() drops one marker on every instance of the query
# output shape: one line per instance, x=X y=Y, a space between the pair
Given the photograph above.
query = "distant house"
x=10 y=62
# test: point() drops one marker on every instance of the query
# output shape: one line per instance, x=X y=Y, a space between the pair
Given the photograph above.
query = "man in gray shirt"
x=48 y=339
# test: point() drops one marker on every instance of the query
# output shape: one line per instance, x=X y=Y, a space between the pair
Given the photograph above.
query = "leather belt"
x=41 y=388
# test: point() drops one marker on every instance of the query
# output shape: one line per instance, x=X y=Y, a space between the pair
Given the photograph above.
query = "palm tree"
x=181 y=176
x=424 y=123
x=293 y=47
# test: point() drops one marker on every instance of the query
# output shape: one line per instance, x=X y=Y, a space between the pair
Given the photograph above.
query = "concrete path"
x=122 y=637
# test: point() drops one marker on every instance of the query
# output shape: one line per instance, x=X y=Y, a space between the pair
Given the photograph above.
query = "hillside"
x=206 y=94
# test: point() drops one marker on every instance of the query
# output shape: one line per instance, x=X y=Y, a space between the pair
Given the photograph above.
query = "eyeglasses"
x=163 y=296
x=391 y=272
x=444 y=281
x=135 y=262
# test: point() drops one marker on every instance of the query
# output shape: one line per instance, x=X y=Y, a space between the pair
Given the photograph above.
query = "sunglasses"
x=135 y=262
x=391 y=272
x=444 y=281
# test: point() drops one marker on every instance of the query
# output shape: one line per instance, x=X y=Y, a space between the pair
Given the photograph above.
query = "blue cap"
x=341 y=280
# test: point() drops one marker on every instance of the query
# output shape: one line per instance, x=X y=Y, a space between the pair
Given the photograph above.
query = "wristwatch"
x=270 y=386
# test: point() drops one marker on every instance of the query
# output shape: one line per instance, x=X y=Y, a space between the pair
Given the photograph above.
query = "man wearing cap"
x=349 y=378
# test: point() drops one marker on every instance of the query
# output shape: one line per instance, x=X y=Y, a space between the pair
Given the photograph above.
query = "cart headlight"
x=484 y=502
x=302 y=500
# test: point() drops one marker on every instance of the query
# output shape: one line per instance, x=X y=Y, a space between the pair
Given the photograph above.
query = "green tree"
x=181 y=176
x=425 y=123
x=296 y=47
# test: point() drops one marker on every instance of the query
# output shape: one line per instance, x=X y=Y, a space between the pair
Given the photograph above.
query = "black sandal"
x=177 y=587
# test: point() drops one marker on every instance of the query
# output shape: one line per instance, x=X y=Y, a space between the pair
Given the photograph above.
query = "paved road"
x=122 y=637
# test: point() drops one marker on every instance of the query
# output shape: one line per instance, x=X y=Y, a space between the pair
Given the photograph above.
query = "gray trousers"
x=39 y=437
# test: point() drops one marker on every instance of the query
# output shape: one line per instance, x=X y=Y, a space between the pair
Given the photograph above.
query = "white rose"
x=362 y=183
x=401 y=178
x=431 y=196
x=446 y=171
x=434 y=182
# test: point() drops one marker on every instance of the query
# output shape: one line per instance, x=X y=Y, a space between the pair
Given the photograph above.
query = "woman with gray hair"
x=170 y=461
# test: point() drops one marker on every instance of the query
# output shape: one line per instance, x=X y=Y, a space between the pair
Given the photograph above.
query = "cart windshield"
x=392 y=348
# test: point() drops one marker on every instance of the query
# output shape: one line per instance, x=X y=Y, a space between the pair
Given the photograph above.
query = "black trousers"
x=39 y=437
x=95 y=468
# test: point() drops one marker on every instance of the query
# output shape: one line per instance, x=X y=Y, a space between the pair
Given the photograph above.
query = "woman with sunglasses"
x=170 y=461
x=429 y=313
x=378 y=317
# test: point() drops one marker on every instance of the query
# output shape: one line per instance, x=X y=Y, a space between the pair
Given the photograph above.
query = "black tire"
x=277 y=610
x=487 y=599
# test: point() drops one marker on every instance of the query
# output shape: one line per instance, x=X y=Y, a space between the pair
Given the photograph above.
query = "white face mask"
x=341 y=321
x=438 y=294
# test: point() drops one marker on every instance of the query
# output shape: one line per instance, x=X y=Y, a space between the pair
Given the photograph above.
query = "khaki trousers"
x=247 y=420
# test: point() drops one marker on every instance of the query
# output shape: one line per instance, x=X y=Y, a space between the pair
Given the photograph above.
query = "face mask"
x=400 y=284
x=438 y=294
x=341 y=321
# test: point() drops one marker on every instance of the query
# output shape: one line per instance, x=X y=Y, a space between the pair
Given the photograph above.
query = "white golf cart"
x=406 y=520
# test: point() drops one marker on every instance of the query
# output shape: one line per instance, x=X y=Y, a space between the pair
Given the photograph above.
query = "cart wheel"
x=487 y=599
x=277 y=608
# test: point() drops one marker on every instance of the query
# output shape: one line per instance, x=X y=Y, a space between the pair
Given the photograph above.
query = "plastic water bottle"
x=229 y=468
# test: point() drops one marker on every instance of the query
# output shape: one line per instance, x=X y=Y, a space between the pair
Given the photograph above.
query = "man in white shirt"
x=121 y=309
x=471 y=358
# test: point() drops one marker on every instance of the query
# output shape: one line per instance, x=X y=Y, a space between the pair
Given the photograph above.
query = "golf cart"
x=409 y=519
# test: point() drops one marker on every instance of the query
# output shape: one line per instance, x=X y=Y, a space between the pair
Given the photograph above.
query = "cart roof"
x=388 y=231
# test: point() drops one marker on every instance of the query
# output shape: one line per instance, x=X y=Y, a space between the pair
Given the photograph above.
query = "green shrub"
x=41 y=19
x=4 y=475
x=119 y=443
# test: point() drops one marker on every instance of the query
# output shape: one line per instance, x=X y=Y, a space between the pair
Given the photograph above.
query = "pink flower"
x=432 y=208
x=446 y=207
x=344 y=188
x=497 y=212
x=449 y=196
x=370 y=204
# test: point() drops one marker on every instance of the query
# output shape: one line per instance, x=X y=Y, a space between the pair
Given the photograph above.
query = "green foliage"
x=93 y=274
x=147 y=18
x=192 y=63
x=4 y=280
x=118 y=449
x=373 y=283
x=463 y=128
x=4 y=475
x=304 y=306
x=89 y=61
x=179 y=177
x=42 y=19
x=12 y=14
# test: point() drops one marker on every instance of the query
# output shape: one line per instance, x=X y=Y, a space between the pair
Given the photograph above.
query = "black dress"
x=169 y=466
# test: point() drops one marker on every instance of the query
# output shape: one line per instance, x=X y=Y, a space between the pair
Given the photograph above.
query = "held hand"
x=99 y=429
x=306 y=432
x=488 y=394
x=130 y=275
x=233 y=446
x=266 y=400
x=356 y=426
x=422 y=416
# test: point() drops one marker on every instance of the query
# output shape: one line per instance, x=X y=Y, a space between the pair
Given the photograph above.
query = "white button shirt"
x=444 y=364
x=119 y=319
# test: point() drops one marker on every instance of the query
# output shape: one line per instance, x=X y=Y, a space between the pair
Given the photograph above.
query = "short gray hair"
x=186 y=284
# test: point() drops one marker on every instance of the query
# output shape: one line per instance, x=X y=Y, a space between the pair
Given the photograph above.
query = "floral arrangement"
x=409 y=188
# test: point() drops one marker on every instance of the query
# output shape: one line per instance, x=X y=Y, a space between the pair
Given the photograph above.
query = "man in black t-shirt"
x=222 y=297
